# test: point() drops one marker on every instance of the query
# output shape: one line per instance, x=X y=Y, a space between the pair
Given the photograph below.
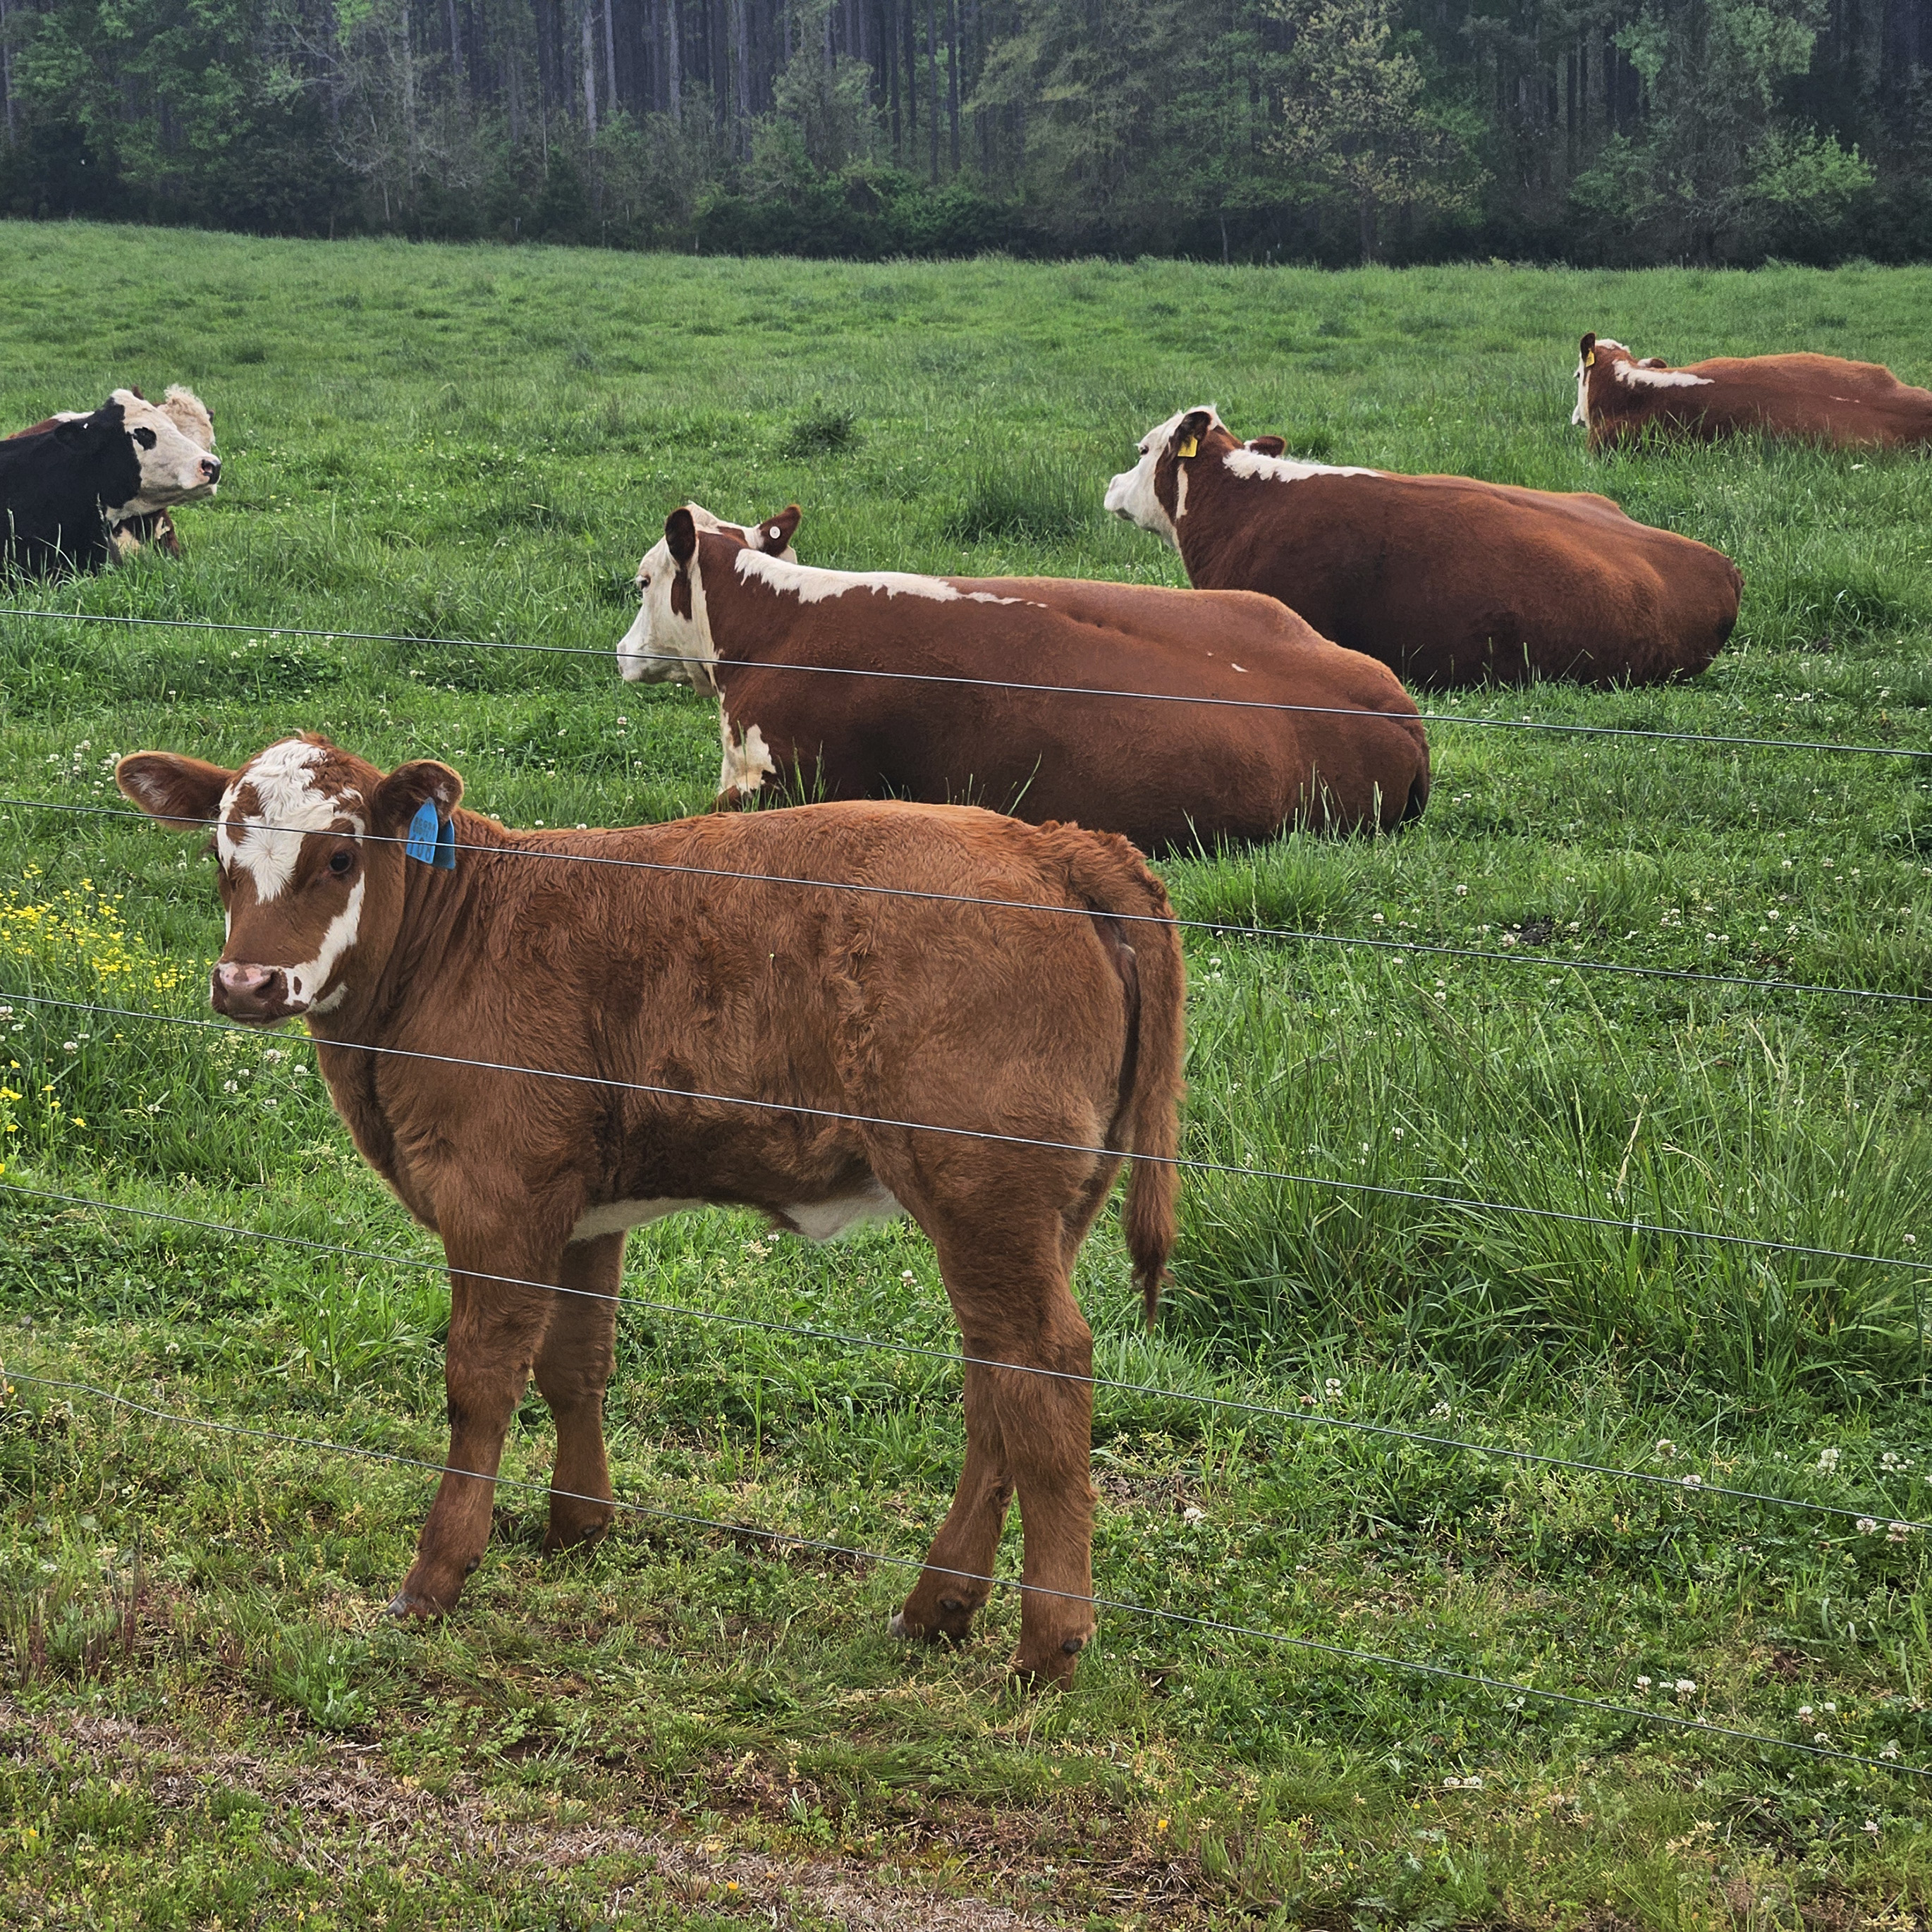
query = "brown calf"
x=1448 y=580
x=1059 y=1029
x=730 y=615
x=1818 y=397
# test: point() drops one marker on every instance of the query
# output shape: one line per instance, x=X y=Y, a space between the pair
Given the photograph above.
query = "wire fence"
x=1120 y=1605
x=1686 y=1485
x=1634 y=1228
x=1218 y=929
x=276 y=631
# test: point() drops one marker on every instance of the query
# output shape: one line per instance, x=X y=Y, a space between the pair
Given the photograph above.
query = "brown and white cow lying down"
x=1821 y=398
x=728 y=615
x=1060 y=1028
x=1450 y=580
x=141 y=522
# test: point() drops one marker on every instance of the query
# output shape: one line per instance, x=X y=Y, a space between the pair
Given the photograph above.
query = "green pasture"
x=204 y=1716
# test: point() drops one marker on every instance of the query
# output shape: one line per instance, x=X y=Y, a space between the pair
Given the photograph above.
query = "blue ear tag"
x=431 y=841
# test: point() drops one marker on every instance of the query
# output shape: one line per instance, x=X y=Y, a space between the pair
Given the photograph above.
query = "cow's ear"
x=187 y=791
x=776 y=534
x=681 y=533
x=78 y=432
x=1588 y=350
x=410 y=788
x=1653 y=362
x=1193 y=427
x=1268 y=445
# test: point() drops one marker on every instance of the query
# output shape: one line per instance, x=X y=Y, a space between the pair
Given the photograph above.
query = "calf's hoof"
x=575 y=1535
x=949 y=1621
x=1049 y=1666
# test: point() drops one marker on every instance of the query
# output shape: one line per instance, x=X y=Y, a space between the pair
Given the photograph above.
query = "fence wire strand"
x=1634 y=1227
x=1693 y=1486
x=1218 y=928
x=1122 y=1606
x=275 y=632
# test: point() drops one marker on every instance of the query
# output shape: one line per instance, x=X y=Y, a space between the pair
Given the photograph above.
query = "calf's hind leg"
x=958 y=1576
x=573 y=1369
x=1020 y=1310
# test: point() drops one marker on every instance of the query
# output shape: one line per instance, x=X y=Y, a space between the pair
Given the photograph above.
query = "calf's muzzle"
x=258 y=993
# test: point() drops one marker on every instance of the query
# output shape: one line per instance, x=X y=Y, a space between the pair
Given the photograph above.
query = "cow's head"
x=670 y=642
x=1153 y=493
x=176 y=466
x=312 y=869
x=1595 y=351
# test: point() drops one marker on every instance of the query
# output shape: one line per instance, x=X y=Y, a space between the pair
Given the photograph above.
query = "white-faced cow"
x=1449 y=581
x=76 y=492
x=1819 y=398
x=844 y=684
x=1035 y=1040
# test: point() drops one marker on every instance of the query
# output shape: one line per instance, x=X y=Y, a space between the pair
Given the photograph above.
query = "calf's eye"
x=341 y=862
x=644 y=582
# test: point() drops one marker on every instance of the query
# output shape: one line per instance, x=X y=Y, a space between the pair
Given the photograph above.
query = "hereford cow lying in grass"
x=63 y=490
x=956 y=689
x=1450 y=580
x=1820 y=397
x=663 y=987
x=138 y=523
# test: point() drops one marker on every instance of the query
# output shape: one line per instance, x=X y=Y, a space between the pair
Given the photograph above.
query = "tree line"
x=1250 y=130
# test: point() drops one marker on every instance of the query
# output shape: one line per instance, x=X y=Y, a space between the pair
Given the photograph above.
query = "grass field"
x=204 y=1718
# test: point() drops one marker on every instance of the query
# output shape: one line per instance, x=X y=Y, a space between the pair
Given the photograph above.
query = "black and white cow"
x=65 y=489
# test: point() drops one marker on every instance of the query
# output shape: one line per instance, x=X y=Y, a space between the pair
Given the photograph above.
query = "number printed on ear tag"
x=431 y=842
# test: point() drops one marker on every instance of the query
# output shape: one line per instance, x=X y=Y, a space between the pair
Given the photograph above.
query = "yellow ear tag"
x=1590 y=361
x=1191 y=446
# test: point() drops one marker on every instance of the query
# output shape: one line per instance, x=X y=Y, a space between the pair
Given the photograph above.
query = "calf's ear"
x=408 y=787
x=1588 y=349
x=1193 y=427
x=1268 y=445
x=681 y=533
x=187 y=791
x=775 y=535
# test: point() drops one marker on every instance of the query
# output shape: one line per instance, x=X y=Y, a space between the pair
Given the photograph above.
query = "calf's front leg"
x=496 y=1329
x=573 y=1369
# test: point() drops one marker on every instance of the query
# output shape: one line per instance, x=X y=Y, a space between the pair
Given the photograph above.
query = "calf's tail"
x=1116 y=881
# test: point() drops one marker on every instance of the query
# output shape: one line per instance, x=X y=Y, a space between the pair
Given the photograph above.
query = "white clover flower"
x=1667 y=1447
x=231 y=1086
x=907 y=1274
x=1871 y=1825
x=1472 y=1784
x=1452 y=1784
x=1898 y=1532
x=70 y=1046
x=1890 y=1750
x=1820 y=1738
x=1868 y=1526
x=1804 y=1713
x=1827 y=1460
x=1684 y=1686
x=1643 y=1683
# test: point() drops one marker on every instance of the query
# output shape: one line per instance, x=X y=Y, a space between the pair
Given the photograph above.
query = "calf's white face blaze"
x=1132 y=493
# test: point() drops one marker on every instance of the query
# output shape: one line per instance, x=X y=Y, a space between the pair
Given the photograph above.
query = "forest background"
x=1591 y=131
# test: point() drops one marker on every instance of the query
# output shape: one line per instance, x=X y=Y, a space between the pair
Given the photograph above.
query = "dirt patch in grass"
x=345 y=1795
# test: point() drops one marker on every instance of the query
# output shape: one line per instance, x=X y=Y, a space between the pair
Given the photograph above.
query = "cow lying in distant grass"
x=138 y=524
x=1819 y=398
x=661 y=990
x=844 y=684
x=1449 y=581
x=66 y=489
